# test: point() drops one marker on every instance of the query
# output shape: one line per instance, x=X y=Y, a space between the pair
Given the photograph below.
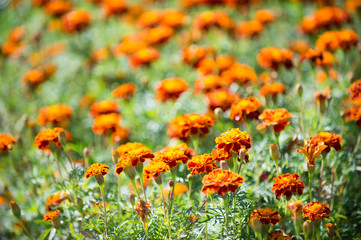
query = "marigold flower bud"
x=130 y=172
x=241 y=155
x=299 y=90
x=171 y=183
x=219 y=113
x=310 y=168
x=99 y=178
x=79 y=203
x=189 y=177
x=307 y=227
x=331 y=229
x=86 y=152
x=62 y=138
x=15 y=209
x=224 y=165
x=132 y=199
x=158 y=179
x=275 y=153
x=115 y=157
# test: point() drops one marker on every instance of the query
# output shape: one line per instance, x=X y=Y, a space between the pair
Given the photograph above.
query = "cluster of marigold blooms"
x=354 y=113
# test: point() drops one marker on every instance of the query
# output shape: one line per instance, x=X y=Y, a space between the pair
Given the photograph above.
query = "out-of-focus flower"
x=103 y=107
x=56 y=115
x=321 y=98
x=353 y=114
x=170 y=89
x=51 y=215
x=264 y=216
x=106 y=123
x=75 y=21
x=312 y=151
x=7 y=142
x=156 y=35
x=193 y=54
x=129 y=45
x=329 y=139
x=272 y=89
x=245 y=109
x=251 y=28
x=144 y=57
x=114 y=7
x=201 y=164
x=86 y=100
x=189 y=125
x=221 y=181
x=98 y=55
x=206 y=20
x=125 y=91
x=265 y=16
x=299 y=46
x=296 y=209
x=239 y=73
x=14 y=45
x=355 y=91
x=46 y=137
x=352 y=5
x=154 y=169
x=278 y=118
x=34 y=77
x=120 y=135
x=316 y=210
x=333 y=40
x=220 y=98
x=179 y=189
x=287 y=185
x=57 y=8
x=273 y=58
x=142 y=209
x=208 y=83
x=56 y=198
x=278 y=235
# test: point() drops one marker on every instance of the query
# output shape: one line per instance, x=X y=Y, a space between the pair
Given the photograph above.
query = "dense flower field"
x=180 y=119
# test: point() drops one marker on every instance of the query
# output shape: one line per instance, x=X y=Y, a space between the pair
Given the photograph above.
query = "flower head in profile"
x=312 y=151
x=239 y=73
x=56 y=115
x=295 y=207
x=208 y=83
x=251 y=28
x=201 y=164
x=154 y=169
x=220 y=98
x=273 y=58
x=233 y=140
x=129 y=45
x=245 y=109
x=142 y=209
x=75 y=21
x=34 y=77
x=103 y=107
x=287 y=185
x=51 y=215
x=144 y=57
x=96 y=169
x=124 y=91
x=172 y=156
x=193 y=54
x=272 y=89
x=279 y=119
x=265 y=16
x=264 y=216
x=114 y=7
x=7 y=142
x=57 y=8
x=121 y=135
x=106 y=123
x=56 y=198
x=316 y=210
x=221 y=181
x=278 y=235
x=170 y=89
x=46 y=137
x=353 y=114
x=331 y=140
x=333 y=40
x=133 y=157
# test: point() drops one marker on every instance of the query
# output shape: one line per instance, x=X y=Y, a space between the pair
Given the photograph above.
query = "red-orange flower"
x=179 y=189
x=96 y=169
x=333 y=40
x=131 y=154
x=272 y=89
x=206 y=20
x=144 y=56
x=208 y=83
x=125 y=91
x=154 y=169
x=250 y=29
x=7 y=142
x=51 y=215
x=295 y=207
x=56 y=198
x=47 y=136
x=316 y=210
x=278 y=118
x=355 y=91
x=103 y=107
x=278 y=235
x=56 y=115
x=120 y=135
x=34 y=77
x=265 y=16
x=273 y=58
x=188 y=125
x=129 y=45
x=312 y=150
x=265 y=216
x=245 y=108
x=220 y=98
x=194 y=54
x=173 y=155
x=14 y=45
x=75 y=21
x=57 y=7
x=156 y=35
x=239 y=73
x=142 y=209
x=201 y=164
x=353 y=114
x=170 y=89
x=114 y=7
x=287 y=185
x=106 y=123
x=221 y=181
x=329 y=139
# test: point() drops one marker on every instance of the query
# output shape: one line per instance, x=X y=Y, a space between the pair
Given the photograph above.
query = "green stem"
x=60 y=235
x=101 y=187
x=25 y=229
x=195 y=144
x=206 y=217
x=279 y=149
x=165 y=212
x=190 y=188
x=226 y=207
x=310 y=177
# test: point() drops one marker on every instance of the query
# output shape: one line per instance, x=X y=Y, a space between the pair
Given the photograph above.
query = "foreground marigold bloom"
x=96 y=169
x=245 y=109
x=208 y=83
x=353 y=114
x=183 y=127
x=233 y=141
x=273 y=58
x=57 y=7
x=201 y=164
x=329 y=139
x=47 y=136
x=312 y=151
x=154 y=169
x=56 y=115
x=7 y=142
x=56 y=198
x=75 y=21
x=170 y=89
x=220 y=98
x=316 y=210
x=278 y=235
x=50 y=216
x=265 y=16
x=125 y=91
x=142 y=209
x=264 y=216
x=144 y=56
x=172 y=156
x=132 y=156
x=272 y=89
x=130 y=146
x=179 y=189
x=221 y=181
x=34 y=77
x=251 y=28
x=114 y=7
x=239 y=73
x=333 y=40
x=278 y=118
x=103 y=107
x=106 y=123
x=288 y=184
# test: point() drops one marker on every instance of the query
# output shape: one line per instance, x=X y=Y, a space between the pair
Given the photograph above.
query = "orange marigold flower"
x=86 y=100
x=287 y=185
x=98 y=55
x=47 y=136
x=56 y=115
x=355 y=90
x=14 y=44
x=173 y=18
x=265 y=216
x=170 y=89
x=106 y=123
x=308 y=25
x=183 y=127
x=144 y=56
x=330 y=16
x=250 y=29
x=233 y=141
x=130 y=155
x=129 y=45
x=265 y=16
x=183 y=146
x=206 y=20
x=125 y=91
x=103 y=107
x=273 y=58
x=321 y=98
x=154 y=169
x=208 y=83
x=52 y=215
x=179 y=189
x=125 y=148
x=245 y=108
x=7 y=142
x=172 y=156
x=221 y=181
x=295 y=207
x=278 y=235
x=75 y=21
x=150 y=18
x=353 y=114
x=329 y=139
x=96 y=169
x=156 y=35
x=333 y=40
x=220 y=98
x=114 y=7
x=312 y=151
x=142 y=209
x=56 y=198
x=57 y=7
x=299 y=46
x=120 y=135
x=224 y=62
x=34 y=77
x=194 y=54
x=278 y=118
x=239 y=73
x=201 y=164
x=316 y=210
